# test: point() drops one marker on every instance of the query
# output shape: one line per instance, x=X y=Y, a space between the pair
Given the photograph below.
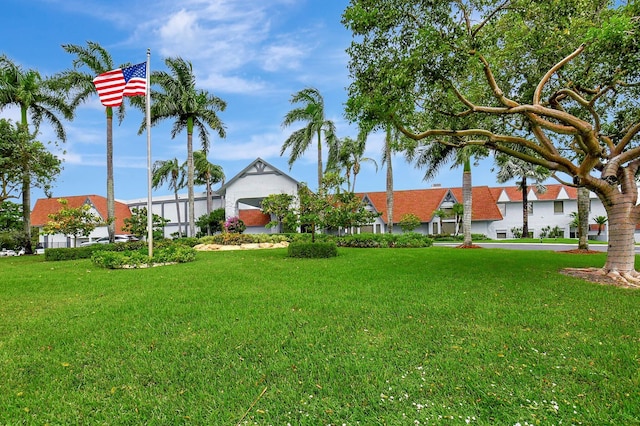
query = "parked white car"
x=105 y=240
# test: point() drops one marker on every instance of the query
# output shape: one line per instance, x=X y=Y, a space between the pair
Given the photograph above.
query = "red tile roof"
x=424 y=202
x=254 y=217
x=45 y=206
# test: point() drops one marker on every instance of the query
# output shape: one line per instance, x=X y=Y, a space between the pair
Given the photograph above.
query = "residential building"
x=98 y=206
x=497 y=211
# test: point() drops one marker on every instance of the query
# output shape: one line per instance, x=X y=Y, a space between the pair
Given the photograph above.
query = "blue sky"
x=254 y=54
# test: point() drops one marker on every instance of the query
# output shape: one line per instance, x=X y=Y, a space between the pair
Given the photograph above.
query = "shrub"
x=313 y=250
x=409 y=222
x=176 y=253
x=406 y=240
x=119 y=259
x=55 y=254
x=237 y=239
x=234 y=225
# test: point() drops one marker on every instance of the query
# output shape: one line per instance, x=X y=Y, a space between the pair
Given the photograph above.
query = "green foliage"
x=548 y=232
x=72 y=253
x=236 y=239
x=137 y=223
x=516 y=231
x=175 y=253
x=408 y=222
x=212 y=221
x=281 y=207
x=314 y=250
x=10 y=216
x=65 y=253
x=405 y=240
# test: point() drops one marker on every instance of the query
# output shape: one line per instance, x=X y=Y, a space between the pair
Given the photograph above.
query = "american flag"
x=113 y=85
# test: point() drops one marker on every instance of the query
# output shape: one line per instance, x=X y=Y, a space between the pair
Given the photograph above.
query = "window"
x=530 y=208
x=558 y=207
x=501 y=235
x=435 y=228
x=503 y=209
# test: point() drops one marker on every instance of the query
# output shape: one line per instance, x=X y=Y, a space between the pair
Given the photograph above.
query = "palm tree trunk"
x=175 y=193
x=525 y=208
x=583 y=218
x=26 y=212
x=467 y=202
x=26 y=192
x=387 y=153
x=111 y=209
x=209 y=195
x=192 y=218
x=319 y=159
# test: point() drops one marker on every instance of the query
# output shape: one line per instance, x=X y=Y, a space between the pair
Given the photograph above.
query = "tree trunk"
x=387 y=153
x=192 y=218
x=621 y=251
x=583 y=218
x=111 y=209
x=178 y=213
x=467 y=202
x=26 y=212
x=319 y=159
x=525 y=208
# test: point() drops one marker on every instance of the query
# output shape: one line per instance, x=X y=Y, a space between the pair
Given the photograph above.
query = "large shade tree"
x=560 y=78
x=37 y=101
x=310 y=110
x=90 y=61
x=174 y=96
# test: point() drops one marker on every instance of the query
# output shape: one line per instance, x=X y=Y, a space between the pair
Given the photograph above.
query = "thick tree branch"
x=538 y=93
x=627 y=138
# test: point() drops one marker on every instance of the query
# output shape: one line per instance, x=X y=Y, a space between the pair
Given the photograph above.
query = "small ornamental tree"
x=137 y=223
x=72 y=221
x=278 y=206
x=409 y=222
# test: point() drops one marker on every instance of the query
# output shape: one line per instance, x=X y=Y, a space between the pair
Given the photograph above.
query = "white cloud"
x=285 y=56
x=231 y=84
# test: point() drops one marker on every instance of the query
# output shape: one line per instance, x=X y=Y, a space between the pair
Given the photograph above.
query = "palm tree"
x=169 y=171
x=191 y=108
x=312 y=112
x=206 y=173
x=514 y=168
x=97 y=61
x=433 y=156
x=600 y=220
x=35 y=97
x=350 y=155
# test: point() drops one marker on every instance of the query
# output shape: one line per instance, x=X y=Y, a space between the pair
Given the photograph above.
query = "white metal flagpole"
x=148 y=119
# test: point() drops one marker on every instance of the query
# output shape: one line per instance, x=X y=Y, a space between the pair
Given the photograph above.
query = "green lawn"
x=374 y=336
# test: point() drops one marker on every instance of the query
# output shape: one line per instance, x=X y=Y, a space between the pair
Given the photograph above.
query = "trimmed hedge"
x=312 y=250
x=406 y=240
x=72 y=253
x=236 y=239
